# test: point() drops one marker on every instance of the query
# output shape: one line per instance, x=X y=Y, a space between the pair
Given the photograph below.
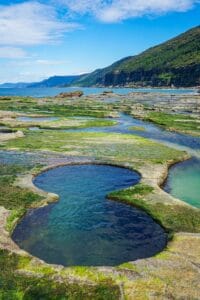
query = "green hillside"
x=175 y=62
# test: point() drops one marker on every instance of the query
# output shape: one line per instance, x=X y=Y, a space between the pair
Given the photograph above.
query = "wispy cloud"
x=116 y=10
x=31 y=23
x=12 y=52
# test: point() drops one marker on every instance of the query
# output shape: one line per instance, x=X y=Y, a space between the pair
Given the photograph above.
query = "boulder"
x=19 y=134
x=70 y=94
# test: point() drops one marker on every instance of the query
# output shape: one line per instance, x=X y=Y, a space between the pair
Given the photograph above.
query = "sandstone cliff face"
x=180 y=77
x=175 y=62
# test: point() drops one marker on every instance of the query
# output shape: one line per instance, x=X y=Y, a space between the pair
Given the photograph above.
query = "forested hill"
x=56 y=81
x=175 y=62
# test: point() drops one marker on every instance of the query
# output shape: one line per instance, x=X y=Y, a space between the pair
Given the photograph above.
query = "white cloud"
x=31 y=23
x=117 y=10
x=12 y=52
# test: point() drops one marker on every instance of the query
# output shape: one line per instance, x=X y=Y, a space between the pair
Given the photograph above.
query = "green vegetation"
x=22 y=277
x=137 y=128
x=71 y=110
x=176 y=62
x=137 y=191
x=58 y=107
x=129 y=266
x=19 y=277
x=173 y=218
x=17 y=283
x=13 y=197
x=12 y=170
x=175 y=122
x=62 y=124
x=106 y=146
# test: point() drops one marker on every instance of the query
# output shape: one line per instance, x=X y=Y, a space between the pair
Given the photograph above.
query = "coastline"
x=131 y=279
x=126 y=286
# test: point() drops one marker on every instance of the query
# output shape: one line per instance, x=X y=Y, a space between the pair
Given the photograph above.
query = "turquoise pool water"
x=183 y=181
x=85 y=228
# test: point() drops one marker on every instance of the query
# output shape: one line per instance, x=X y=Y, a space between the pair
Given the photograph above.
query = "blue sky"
x=39 y=39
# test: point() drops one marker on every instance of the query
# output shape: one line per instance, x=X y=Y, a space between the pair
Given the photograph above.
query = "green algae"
x=13 y=197
x=129 y=266
x=18 y=282
x=61 y=123
x=58 y=107
x=173 y=218
x=22 y=279
x=175 y=122
x=136 y=128
x=99 y=145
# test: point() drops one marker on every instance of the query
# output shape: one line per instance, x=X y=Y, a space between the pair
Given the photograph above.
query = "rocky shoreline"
x=171 y=274
x=129 y=268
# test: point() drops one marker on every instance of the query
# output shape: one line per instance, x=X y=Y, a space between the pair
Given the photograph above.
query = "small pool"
x=34 y=128
x=85 y=228
x=4 y=129
x=183 y=181
x=36 y=119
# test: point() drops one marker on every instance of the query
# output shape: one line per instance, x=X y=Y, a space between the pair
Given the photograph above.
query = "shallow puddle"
x=36 y=119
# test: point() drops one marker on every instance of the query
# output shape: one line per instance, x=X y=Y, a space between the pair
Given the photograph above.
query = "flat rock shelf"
x=84 y=227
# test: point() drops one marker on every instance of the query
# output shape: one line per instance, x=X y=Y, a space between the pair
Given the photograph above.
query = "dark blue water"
x=184 y=179
x=85 y=228
x=44 y=92
x=4 y=129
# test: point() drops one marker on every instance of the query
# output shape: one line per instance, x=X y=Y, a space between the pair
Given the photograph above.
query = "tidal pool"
x=85 y=228
x=4 y=129
x=36 y=119
x=184 y=178
x=125 y=122
x=183 y=181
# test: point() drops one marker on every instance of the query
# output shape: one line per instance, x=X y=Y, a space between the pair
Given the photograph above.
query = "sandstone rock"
x=19 y=134
x=70 y=94
x=51 y=197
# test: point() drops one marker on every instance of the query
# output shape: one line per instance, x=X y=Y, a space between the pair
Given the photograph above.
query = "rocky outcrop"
x=11 y=136
x=70 y=94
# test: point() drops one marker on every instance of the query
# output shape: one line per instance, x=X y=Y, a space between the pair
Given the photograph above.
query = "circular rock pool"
x=84 y=227
x=183 y=181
